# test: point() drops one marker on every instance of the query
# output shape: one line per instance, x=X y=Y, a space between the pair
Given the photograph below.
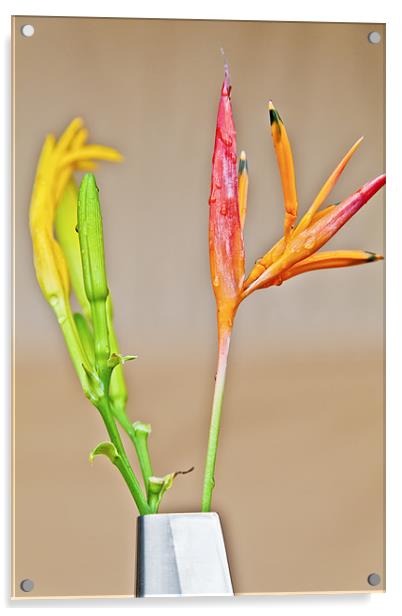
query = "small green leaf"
x=159 y=485
x=115 y=359
x=105 y=449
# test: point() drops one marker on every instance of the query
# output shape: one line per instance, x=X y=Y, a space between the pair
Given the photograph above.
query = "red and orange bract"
x=226 y=247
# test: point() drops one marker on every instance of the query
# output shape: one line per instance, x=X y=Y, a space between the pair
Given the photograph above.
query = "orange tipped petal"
x=243 y=187
x=326 y=189
x=311 y=239
x=286 y=168
x=225 y=234
x=327 y=260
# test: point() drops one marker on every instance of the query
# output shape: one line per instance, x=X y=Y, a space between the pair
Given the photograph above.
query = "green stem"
x=101 y=341
x=73 y=342
x=141 y=447
x=209 y=480
x=117 y=390
x=124 y=463
x=139 y=438
x=78 y=356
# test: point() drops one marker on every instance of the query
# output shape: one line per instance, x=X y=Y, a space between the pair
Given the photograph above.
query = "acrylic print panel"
x=299 y=468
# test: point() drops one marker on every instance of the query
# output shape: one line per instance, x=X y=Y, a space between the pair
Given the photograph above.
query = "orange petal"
x=326 y=260
x=326 y=188
x=262 y=264
x=286 y=168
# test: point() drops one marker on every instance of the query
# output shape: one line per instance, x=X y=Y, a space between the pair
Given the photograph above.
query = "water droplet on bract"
x=61 y=320
x=309 y=243
x=215 y=281
x=223 y=210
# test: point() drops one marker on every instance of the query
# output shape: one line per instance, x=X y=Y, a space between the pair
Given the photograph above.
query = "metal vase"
x=181 y=554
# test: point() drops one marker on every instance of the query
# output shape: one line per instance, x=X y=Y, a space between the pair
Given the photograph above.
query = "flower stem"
x=139 y=438
x=209 y=480
x=123 y=461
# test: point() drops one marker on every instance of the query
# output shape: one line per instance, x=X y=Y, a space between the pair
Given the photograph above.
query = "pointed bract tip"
x=372 y=256
x=273 y=114
x=243 y=167
x=227 y=75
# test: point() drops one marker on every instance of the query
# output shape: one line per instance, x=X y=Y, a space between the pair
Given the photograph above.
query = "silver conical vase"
x=181 y=554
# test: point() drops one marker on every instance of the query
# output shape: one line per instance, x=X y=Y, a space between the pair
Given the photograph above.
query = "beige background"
x=299 y=478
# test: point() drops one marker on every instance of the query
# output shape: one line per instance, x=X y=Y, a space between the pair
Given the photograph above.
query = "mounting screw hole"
x=374 y=579
x=27 y=30
x=374 y=37
x=27 y=585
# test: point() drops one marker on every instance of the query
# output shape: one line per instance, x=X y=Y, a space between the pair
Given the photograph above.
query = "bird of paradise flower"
x=294 y=254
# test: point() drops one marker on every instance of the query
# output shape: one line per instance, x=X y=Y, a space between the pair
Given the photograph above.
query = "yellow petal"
x=68 y=136
x=55 y=168
x=61 y=180
x=89 y=152
x=85 y=165
x=79 y=139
